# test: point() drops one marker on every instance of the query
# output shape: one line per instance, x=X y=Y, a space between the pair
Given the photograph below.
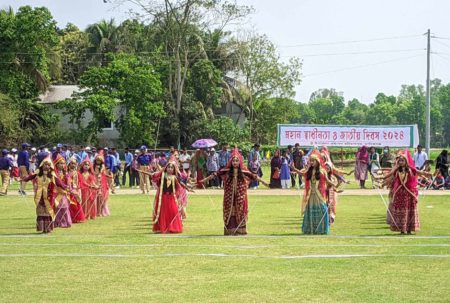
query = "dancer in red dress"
x=76 y=210
x=166 y=210
x=402 y=181
x=236 y=178
x=88 y=189
x=102 y=180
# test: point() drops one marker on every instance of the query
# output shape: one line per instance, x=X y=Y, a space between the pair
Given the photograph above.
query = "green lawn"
x=118 y=259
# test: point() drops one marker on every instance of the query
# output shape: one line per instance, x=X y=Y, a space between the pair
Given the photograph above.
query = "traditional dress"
x=314 y=206
x=166 y=214
x=182 y=194
x=200 y=164
x=88 y=190
x=44 y=195
x=404 y=215
x=361 y=166
x=235 y=202
x=63 y=218
x=275 y=168
x=102 y=181
x=331 y=192
x=76 y=210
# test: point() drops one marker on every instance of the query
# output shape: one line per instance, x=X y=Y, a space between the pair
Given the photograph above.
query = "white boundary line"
x=224 y=256
x=222 y=246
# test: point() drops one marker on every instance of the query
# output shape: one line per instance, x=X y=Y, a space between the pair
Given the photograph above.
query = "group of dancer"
x=73 y=192
x=322 y=182
x=318 y=208
x=67 y=193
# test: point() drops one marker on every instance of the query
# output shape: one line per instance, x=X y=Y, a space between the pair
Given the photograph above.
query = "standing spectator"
x=297 y=158
x=285 y=172
x=15 y=172
x=291 y=157
x=254 y=151
x=420 y=158
x=387 y=159
x=69 y=153
x=110 y=165
x=442 y=163
x=224 y=157
x=143 y=164
x=82 y=154
x=254 y=167
x=361 y=165
x=185 y=160
x=5 y=166
x=212 y=165
x=162 y=159
x=127 y=167
x=23 y=162
x=57 y=151
x=33 y=159
x=89 y=154
x=134 y=176
x=374 y=164
x=41 y=155
x=275 y=169
x=115 y=153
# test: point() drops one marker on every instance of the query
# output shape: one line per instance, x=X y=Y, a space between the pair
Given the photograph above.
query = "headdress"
x=236 y=154
x=81 y=167
x=59 y=159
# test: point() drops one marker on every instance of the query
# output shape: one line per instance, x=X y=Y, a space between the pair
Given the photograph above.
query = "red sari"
x=166 y=214
x=403 y=208
x=102 y=181
x=76 y=210
x=235 y=202
x=88 y=194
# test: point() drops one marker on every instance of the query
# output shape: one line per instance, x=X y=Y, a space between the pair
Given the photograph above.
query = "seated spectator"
x=439 y=181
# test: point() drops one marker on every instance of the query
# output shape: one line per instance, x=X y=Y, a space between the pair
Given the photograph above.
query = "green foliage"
x=272 y=112
x=224 y=130
x=28 y=42
x=10 y=131
x=27 y=39
x=73 y=49
x=126 y=91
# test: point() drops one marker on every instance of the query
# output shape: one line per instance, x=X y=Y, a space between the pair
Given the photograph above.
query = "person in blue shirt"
x=127 y=166
x=57 y=151
x=5 y=166
x=110 y=164
x=23 y=162
x=143 y=166
x=81 y=154
x=41 y=155
x=224 y=157
x=116 y=155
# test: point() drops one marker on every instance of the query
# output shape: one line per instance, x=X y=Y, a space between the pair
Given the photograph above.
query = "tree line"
x=170 y=70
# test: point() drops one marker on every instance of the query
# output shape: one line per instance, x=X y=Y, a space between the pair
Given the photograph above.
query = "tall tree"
x=262 y=72
x=180 y=23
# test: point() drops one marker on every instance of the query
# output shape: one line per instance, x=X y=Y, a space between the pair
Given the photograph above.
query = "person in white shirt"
x=419 y=158
x=185 y=160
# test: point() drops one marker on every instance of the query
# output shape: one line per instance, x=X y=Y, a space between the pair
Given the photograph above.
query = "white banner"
x=348 y=135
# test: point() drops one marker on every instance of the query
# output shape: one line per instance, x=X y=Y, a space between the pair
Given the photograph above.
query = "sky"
x=358 y=47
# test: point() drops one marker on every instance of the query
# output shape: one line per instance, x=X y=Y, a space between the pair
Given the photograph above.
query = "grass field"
x=118 y=259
